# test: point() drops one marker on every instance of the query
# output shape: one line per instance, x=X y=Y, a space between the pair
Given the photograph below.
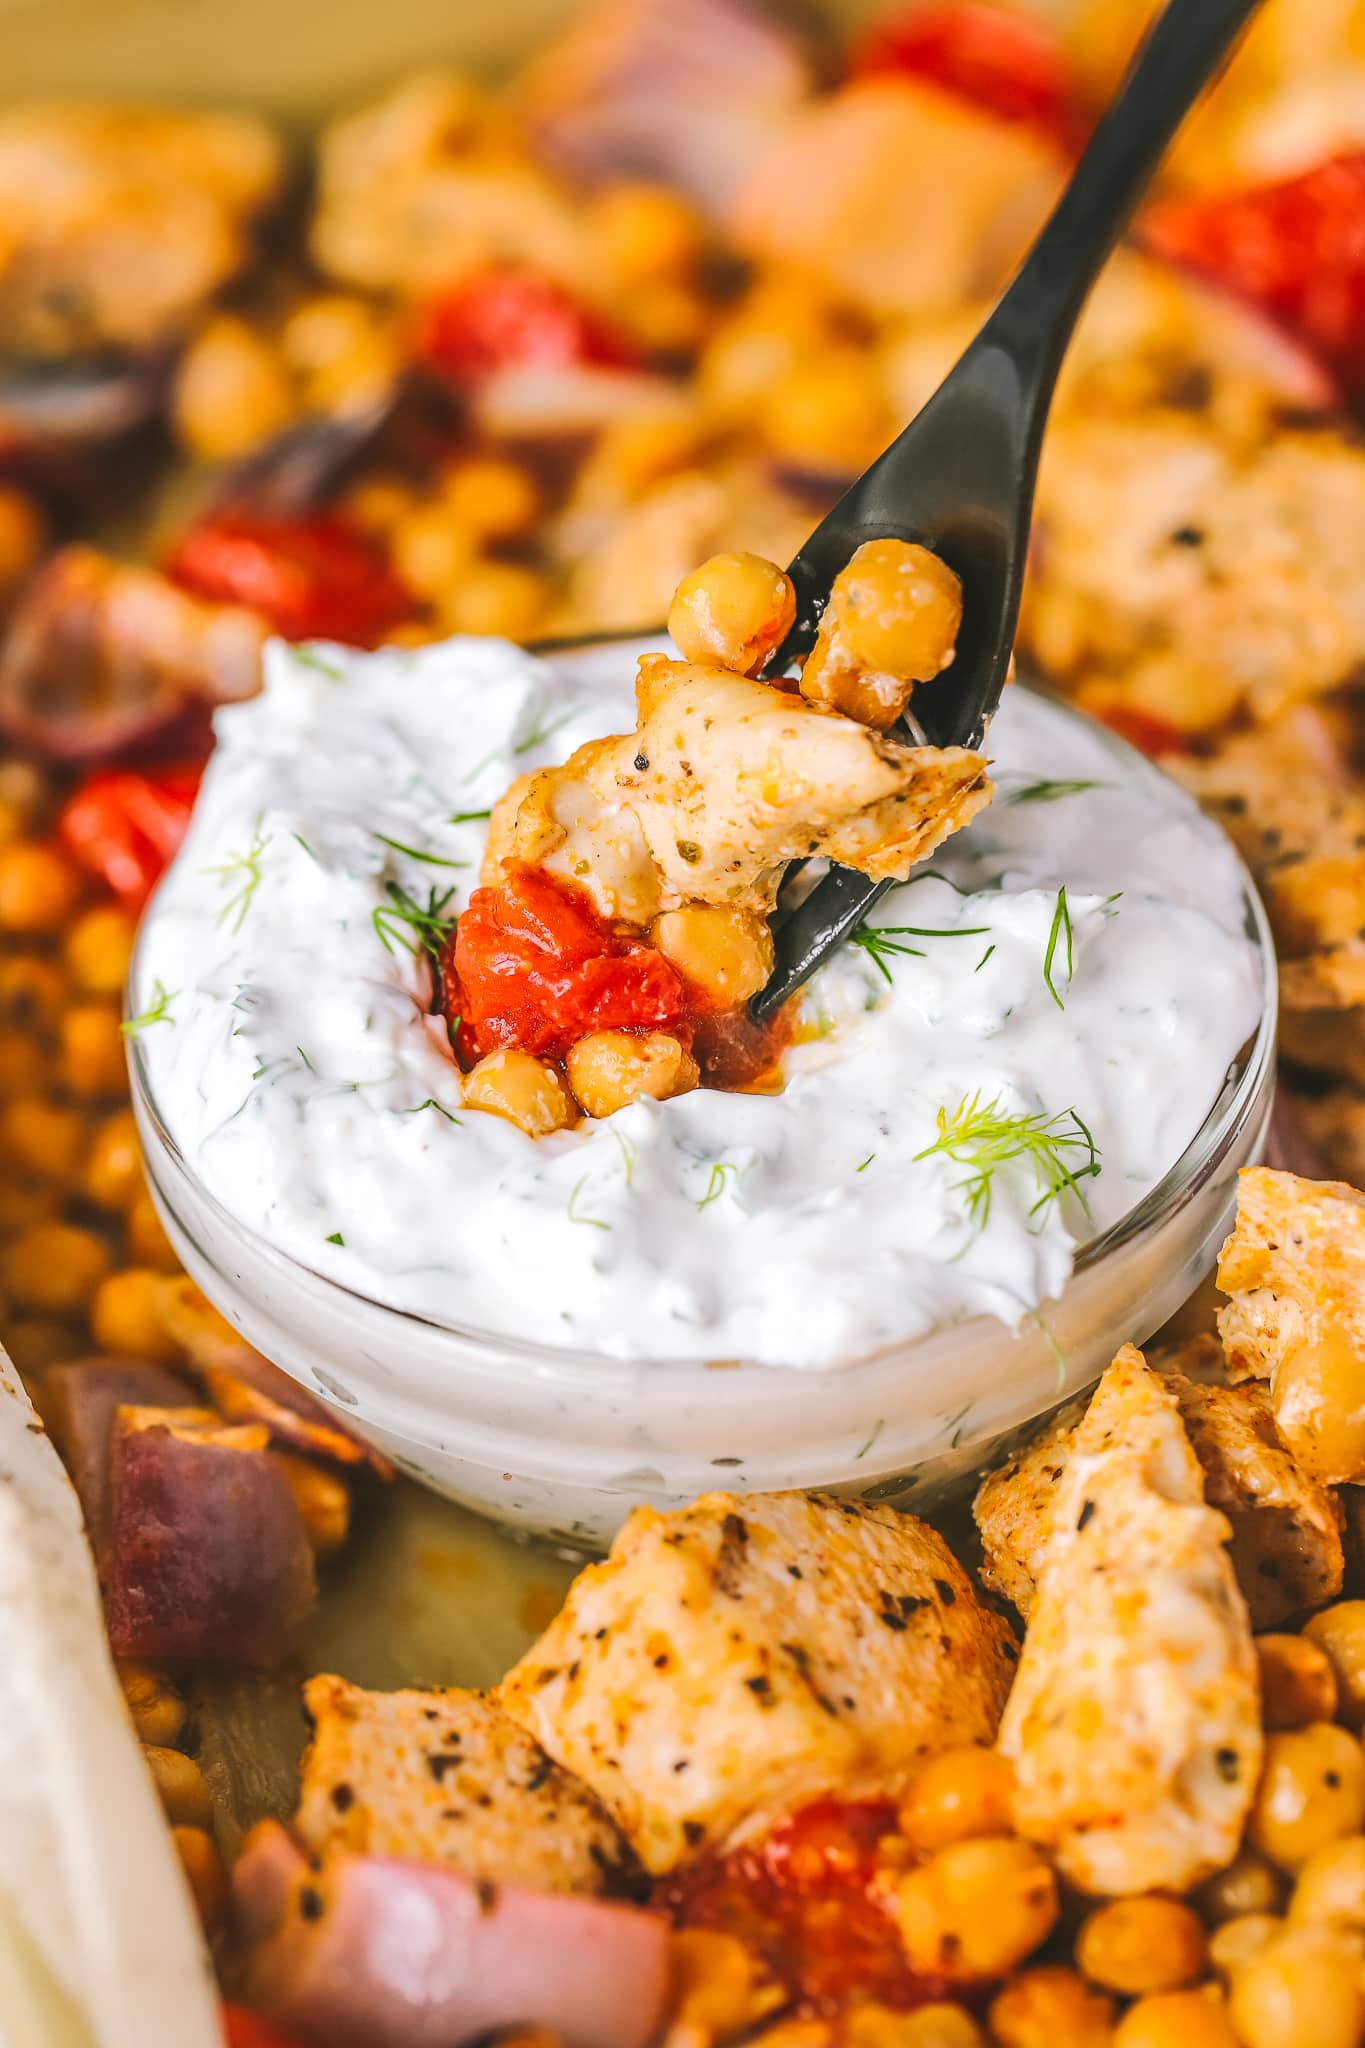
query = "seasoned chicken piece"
x=1134 y=1724
x=1294 y=1269
x=723 y=782
x=448 y=1777
x=737 y=1659
x=1286 y=1528
x=1183 y=572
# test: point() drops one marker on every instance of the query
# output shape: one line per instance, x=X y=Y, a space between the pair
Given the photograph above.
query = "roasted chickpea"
x=1239 y=1941
x=37 y=888
x=1339 y=1632
x=1152 y=1943
x=718 y=1988
x=379 y=502
x=974 y=1910
x=92 y=1052
x=827 y=413
x=231 y=391
x=156 y=1707
x=1319 y=1399
x=21 y=1063
x=891 y=622
x=1312 y=1791
x=1051 y=2007
x=113 y=1169
x=203 y=1868
x=147 y=1239
x=322 y=1499
x=125 y=1315
x=733 y=612
x=41 y=1137
x=646 y=232
x=25 y=1199
x=939 y=2025
x=21 y=539
x=725 y=955
x=1298 y=1684
x=32 y=991
x=1331 y=1885
x=1302 y=1991
x=1248 y=1885
x=98 y=948
x=432 y=549
x=54 y=1268
x=340 y=349
x=609 y=1069
x=1177 y=2019
x=182 y=1786
x=959 y=1795
x=522 y=1090
x=492 y=496
x=506 y=599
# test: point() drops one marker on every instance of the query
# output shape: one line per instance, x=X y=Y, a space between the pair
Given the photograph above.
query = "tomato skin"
x=1295 y=248
x=532 y=965
x=313 y=579
x=514 y=319
x=244 y=2029
x=1002 y=63
x=126 y=827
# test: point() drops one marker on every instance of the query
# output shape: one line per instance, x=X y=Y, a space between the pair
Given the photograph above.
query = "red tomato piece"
x=533 y=965
x=126 y=828
x=1005 y=64
x=245 y=2029
x=1296 y=249
x=509 y=319
x=1151 y=736
x=313 y=579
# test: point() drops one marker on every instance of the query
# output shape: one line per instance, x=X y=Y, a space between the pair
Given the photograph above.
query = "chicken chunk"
x=723 y=782
x=447 y=1777
x=1294 y=1269
x=1286 y=1545
x=737 y=1659
x=1134 y=1724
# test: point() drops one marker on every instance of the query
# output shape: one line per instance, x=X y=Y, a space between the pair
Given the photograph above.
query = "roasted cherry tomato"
x=314 y=579
x=1004 y=63
x=1296 y=249
x=245 y=2029
x=804 y=1899
x=1151 y=736
x=514 y=320
x=533 y=965
x=127 y=827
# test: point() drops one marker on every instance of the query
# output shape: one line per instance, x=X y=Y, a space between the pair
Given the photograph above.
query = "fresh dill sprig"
x=335 y=1238
x=984 y=958
x=866 y=1163
x=468 y=817
x=883 y=941
x=984 y=1137
x=593 y=1222
x=431 y=1103
x=403 y=920
x=1046 y=791
x=717 y=1184
x=299 y=840
x=432 y=860
x=158 y=1012
x=1061 y=929
x=541 y=733
x=308 y=657
x=245 y=869
x=629 y=1154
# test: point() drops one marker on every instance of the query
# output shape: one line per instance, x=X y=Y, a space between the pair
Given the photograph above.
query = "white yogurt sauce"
x=293 y=1060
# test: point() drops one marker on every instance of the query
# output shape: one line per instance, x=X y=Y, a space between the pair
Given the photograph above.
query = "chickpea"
x=646 y=232
x=1239 y=1941
x=929 y=2026
x=1142 y=1944
x=827 y=413
x=37 y=888
x=1303 y=1991
x=974 y=1910
x=725 y=955
x=125 y=1315
x=1298 y=1684
x=634 y=453
x=113 y=1169
x=21 y=1064
x=1331 y=1885
x=42 y=1137
x=958 y=1795
x=524 y=1090
x=891 y=621
x=182 y=1786
x=1312 y=1791
x=1339 y=1632
x=98 y=949
x=776 y=327
x=323 y=1501
x=432 y=549
x=506 y=599
x=54 y=1267
x=231 y=391
x=203 y=1868
x=492 y=497
x=718 y=1987
x=1177 y=2019
x=609 y=1069
x=147 y=1239
x=379 y=502
x=25 y=1199
x=668 y=318
x=21 y=538
x=342 y=351
x=1051 y=2007
x=1248 y=1885
x=1319 y=1399
x=157 y=1710
x=92 y=1055
x=32 y=991
x=732 y=612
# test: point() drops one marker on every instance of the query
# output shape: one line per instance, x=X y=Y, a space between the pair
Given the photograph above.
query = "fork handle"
x=1034 y=319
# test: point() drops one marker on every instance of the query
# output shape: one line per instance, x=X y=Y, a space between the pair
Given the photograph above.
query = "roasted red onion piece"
x=80 y=1401
x=251 y=1389
x=374 y=1954
x=686 y=94
x=76 y=402
x=207 y=1556
x=102 y=656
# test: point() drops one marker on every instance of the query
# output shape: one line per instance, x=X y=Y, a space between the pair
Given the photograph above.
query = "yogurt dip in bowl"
x=1012 y=1118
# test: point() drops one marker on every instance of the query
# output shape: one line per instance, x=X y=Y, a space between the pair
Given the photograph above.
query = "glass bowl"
x=563 y=1443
